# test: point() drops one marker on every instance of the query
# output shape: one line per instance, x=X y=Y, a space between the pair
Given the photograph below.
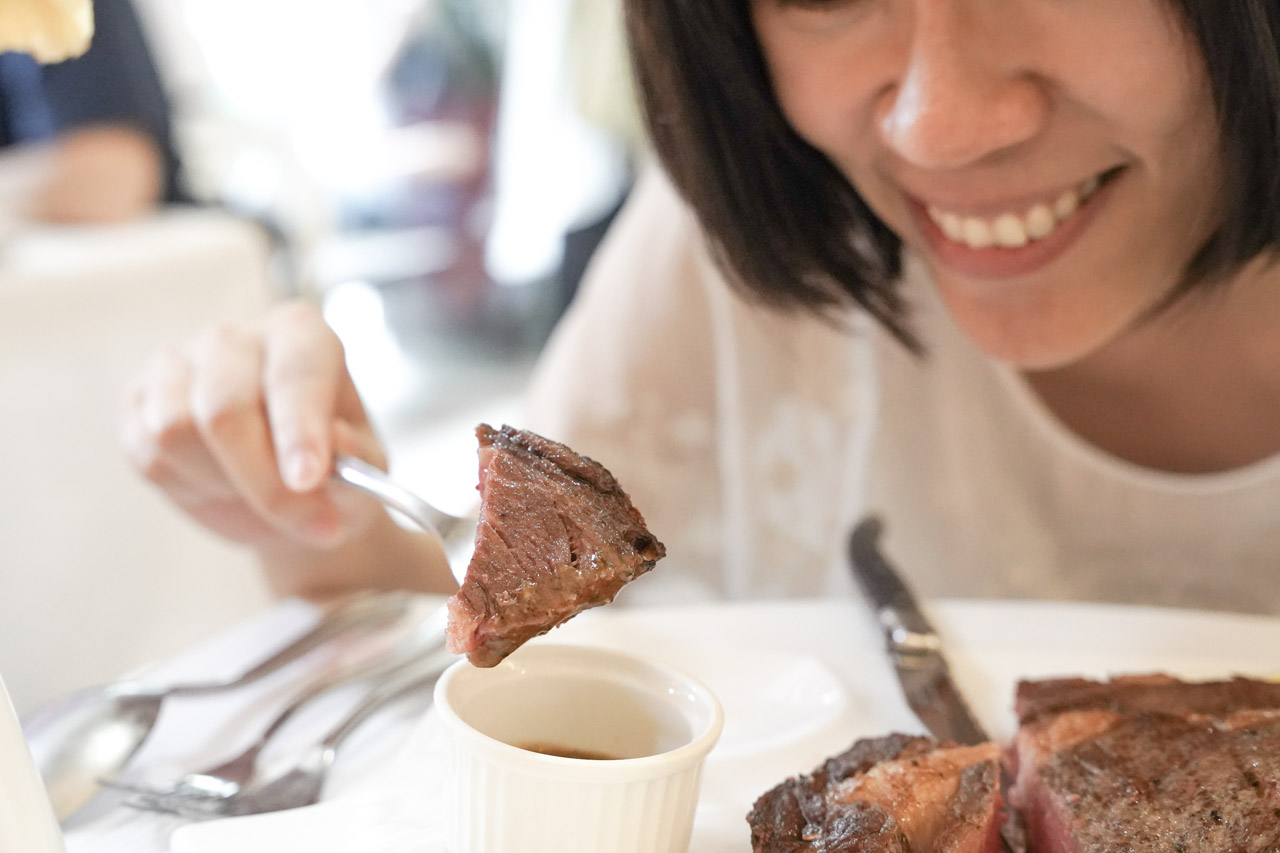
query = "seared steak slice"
x=1137 y=693
x=1148 y=763
x=556 y=535
x=895 y=794
x=1155 y=782
x=797 y=815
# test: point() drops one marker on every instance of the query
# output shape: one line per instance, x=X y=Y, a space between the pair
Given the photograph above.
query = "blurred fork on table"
x=302 y=785
x=233 y=775
x=454 y=534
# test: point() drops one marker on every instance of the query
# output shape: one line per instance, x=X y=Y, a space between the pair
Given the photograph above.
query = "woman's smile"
x=1004 y=240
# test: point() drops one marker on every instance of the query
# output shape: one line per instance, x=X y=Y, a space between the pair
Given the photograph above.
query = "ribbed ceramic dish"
x=656 y=724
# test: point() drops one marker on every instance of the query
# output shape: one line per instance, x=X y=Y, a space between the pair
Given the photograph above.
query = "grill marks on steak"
x=1160 y=782
x=1134 y=694
x=556 y=535
x=896 y=794
x=1148 y=763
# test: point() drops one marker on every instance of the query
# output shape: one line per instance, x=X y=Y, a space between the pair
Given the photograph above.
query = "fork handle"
x=363 y=612
x=428 y=638
x=413 y=675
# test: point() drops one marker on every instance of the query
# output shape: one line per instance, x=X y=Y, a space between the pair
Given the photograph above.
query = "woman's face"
x=1055 y=162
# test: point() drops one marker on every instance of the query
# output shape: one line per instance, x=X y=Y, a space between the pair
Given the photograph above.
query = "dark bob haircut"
x=786 y=225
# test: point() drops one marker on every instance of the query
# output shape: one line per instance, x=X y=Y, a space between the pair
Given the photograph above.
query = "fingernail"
x=302 y=471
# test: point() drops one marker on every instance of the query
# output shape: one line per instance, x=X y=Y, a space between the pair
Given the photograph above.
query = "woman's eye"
x=818 y=7
x=825 y=12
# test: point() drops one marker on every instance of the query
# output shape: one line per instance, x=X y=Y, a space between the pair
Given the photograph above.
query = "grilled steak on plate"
x=894 y=794
x=1148 y=763
x=1132 y=694
x=1138 y=764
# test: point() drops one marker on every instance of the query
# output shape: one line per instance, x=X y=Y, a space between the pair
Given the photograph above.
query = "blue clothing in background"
x=114 y=82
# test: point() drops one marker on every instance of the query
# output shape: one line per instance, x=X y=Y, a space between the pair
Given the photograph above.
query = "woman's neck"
x=1193 y=389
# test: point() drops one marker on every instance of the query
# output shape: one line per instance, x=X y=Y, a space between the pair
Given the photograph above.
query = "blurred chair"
x=98 y=572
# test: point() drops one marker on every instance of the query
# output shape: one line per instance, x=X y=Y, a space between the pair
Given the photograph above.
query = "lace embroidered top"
x=752 y=439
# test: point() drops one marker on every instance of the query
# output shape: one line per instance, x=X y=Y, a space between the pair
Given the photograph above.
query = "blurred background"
x=437 y=172
x=434 y=173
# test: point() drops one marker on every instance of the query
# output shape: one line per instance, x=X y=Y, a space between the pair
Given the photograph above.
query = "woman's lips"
x=997 y=262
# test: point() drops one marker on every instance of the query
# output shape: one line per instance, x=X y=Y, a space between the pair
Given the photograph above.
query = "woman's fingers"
x=159 y=433
x=239 y=427
x=303 y=370
x=230 y=407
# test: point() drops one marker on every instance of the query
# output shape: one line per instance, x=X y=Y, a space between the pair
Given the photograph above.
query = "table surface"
x=799 y=681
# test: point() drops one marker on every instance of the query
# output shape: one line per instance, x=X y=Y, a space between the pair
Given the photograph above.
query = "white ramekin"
x=506 y=798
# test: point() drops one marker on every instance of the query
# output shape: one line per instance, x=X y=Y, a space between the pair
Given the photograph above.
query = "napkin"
x=401 y=812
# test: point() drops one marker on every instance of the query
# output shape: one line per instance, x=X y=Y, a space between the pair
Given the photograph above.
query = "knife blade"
x=912 y=643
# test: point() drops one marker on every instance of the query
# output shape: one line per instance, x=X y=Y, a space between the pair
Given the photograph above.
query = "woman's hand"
x=239 y=426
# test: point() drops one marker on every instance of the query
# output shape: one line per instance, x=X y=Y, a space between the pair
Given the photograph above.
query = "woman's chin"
x=1026 y=345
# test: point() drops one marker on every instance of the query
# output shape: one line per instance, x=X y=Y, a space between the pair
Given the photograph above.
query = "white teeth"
x=1012 y=230
x=975 y=233
x=1010 y=234
x=952 y=226
x=1040 y=221
x=1066 y=204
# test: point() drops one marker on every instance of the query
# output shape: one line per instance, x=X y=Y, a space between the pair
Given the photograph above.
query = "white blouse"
x=751 y=440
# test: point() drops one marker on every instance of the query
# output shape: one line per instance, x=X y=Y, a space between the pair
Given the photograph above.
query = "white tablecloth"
x=98 y=573
x=799 y=681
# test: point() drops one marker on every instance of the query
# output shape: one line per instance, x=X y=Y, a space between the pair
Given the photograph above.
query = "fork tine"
x=302 y=785
x=423 y=646
x=185 y=806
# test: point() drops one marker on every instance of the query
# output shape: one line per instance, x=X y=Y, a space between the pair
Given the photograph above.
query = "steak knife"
x=912 y=643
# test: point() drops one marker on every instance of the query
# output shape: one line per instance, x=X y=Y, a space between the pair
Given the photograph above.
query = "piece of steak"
x=556 y=535
x=1158 y=782
x=1148 y=763
x=895 y=794
x=1132 y=694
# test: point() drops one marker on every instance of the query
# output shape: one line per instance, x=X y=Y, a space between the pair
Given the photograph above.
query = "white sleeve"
x=740 y=431
x=628 y=378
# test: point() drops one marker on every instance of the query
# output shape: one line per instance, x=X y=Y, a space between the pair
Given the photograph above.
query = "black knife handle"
x=906 y=628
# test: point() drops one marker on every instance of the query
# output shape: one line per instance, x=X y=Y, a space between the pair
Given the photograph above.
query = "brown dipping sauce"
x=567 y=751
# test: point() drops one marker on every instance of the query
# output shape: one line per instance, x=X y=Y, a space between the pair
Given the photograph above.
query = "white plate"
x=799 y=681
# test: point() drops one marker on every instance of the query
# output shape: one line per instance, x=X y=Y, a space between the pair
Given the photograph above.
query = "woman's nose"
x=964 y=91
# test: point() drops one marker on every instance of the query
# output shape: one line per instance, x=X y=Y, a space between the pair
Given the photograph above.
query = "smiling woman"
x=1067 y=211
x=1070 y=208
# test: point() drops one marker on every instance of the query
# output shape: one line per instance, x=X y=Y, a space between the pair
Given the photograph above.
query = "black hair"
x=790 y=229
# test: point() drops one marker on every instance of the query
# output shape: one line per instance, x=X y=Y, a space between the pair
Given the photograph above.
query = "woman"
x=1056 y=221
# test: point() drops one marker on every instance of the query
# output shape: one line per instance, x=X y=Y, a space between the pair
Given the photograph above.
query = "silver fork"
x=233 y=775
x=217 y=785
x=304 y=783
x=453 y=532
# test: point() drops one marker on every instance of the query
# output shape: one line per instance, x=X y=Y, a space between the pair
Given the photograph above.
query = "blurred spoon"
x=87 y=737
x=82 y=740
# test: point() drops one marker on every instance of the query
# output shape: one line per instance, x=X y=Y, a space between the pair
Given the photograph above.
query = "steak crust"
x=556 y=535
x=894 y=794
x=1133 y=694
